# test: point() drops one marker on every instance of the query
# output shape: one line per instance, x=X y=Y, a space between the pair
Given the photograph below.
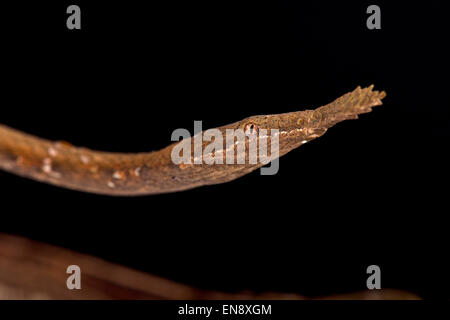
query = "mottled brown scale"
x=64 y=165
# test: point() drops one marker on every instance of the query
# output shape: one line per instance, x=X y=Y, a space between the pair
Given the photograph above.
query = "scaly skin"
x=122 y=174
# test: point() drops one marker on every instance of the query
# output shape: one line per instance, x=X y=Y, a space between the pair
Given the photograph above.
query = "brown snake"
x=121 y=174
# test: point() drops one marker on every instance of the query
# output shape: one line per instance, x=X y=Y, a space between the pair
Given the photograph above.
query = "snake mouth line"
x=235 y=146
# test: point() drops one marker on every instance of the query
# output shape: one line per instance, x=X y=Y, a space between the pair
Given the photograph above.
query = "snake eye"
x=251 y=129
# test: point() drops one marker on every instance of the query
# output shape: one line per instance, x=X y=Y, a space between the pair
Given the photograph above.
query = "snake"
x=137 y=174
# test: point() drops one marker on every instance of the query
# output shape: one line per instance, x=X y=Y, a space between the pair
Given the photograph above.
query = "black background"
x=372 y=191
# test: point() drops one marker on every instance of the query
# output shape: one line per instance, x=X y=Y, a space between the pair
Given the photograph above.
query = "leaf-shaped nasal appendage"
x=349 y=106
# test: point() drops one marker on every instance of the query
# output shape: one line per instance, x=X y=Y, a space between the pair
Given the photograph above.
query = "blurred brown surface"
x=33 y=270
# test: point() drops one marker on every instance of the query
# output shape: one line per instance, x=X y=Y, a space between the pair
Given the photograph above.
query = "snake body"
x=122 y=174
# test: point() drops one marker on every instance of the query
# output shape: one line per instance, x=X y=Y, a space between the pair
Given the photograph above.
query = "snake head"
x=296 y=128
